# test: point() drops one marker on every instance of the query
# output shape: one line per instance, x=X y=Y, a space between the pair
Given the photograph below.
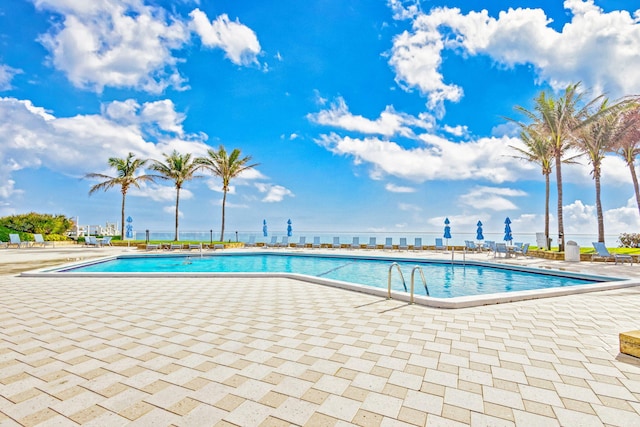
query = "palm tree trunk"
x=596 y=177
x=224 y=201
x=560 y=218
x=546 y=212
x=124 y=195
x=175 y=238
x=632 y=169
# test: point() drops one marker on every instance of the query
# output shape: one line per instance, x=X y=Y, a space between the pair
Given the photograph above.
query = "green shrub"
x=45 y=224
x=629 y=240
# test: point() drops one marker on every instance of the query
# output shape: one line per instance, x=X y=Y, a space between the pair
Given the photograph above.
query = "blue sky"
x=363 y=115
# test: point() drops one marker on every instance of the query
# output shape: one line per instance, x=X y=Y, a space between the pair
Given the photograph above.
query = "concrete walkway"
x=279 y=352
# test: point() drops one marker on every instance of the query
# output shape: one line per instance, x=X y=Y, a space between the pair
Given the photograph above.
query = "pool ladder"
x=404 y=283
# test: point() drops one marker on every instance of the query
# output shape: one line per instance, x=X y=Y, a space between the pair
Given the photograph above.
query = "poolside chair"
x=91 y=241
x=316 y=242
x=273 y=243
x=14 y=240
x=174 y=246
x=603 y=253
x=355 y=244
x=403 y=244
x=195 y=246
x=106 y=241
x=336 y=243
x=501 y=248
x=39 y=240
x=251 y=243
x=152 y=246
x=439 y=245
x=284 y=243
x=491 y=246
x=388 y=243
x=470 y=245
x=301 y=243
x=372 y=243
x=523 y=250
x=417 y=244
x=218 y=246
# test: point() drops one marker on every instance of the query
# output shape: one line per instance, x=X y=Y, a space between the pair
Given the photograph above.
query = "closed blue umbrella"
x=289 y=228
x=264 y=227
x=447 y=230
x=507 y=230
x=479 y=235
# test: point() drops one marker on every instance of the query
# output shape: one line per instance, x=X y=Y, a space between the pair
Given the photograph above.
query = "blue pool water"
x=444 y=279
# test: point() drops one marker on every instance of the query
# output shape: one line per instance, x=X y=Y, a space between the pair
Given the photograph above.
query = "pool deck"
x=280 y=352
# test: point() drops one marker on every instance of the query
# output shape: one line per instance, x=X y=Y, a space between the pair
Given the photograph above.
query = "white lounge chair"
x=523 y=250
x=174 y=246
x=372 y=243
x=152 y=246
x=273 y=243
x=91 y=241
x=336 y=243
x=251 y=243
x=39 y=240
x=316 y=242
x=14 y=240
x=388 y=243
x=195 y=246
x=439 y=245
x=284 y=243
x=302 y=242
x=106 y=241
x=501 y=248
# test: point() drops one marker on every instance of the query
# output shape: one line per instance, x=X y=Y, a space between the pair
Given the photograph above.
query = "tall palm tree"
x=628 y=145
x=178 y=168
x=537 y=149
x=226 y=166
x=559 y=118
x=126 y=170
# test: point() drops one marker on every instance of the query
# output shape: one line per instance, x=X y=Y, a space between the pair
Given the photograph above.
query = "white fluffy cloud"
x=389 y=123
x=32 y=137
x=595 y=47
x=273 y=193
x=491 y=198
x=239 y=42
x=486 y=158
x=6 y=75
x=130 y=44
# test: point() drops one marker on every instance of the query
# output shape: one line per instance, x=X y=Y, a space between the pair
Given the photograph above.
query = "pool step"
x=630 y=343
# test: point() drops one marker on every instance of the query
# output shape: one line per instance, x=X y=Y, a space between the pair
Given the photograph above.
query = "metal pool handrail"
x=424 y=281
x=404 y=283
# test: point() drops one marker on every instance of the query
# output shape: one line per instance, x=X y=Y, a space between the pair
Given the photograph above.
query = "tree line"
x=177 y=168
x=561 y=129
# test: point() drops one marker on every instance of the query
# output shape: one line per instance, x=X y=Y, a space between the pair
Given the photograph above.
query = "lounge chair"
x=470 y=245
x=372 y=243
x=316 y=242
x=501 y=248
x=91 y=241
x=336 y=243
x=174 y=246
x=152 y=246
x=403 y=244
x=417 y=245
x=218 y=246
x=273 y=243
x=251 y=243
x=195 y=246
x=284 y=243
x=439 y=245
x=491 y=246
x=39 y=240
x=106 y=241
x=356 y=243
x=603 y=253
x=388 y=243
x=522 y=250
x=302 y=242
x=14 y=240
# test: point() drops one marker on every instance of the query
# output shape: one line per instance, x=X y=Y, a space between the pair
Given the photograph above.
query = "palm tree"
x=558 y=119
x=125 y=178
x=178 y=168
x=537 y=149
x=628 y=145
x=226 y=166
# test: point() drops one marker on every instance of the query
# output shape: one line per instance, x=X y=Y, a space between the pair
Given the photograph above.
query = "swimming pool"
x=453 y=281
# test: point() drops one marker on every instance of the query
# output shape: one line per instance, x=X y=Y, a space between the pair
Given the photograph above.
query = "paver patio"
x=271 y=352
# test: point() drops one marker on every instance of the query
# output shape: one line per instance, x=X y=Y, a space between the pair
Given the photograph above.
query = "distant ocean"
x=428 y=238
